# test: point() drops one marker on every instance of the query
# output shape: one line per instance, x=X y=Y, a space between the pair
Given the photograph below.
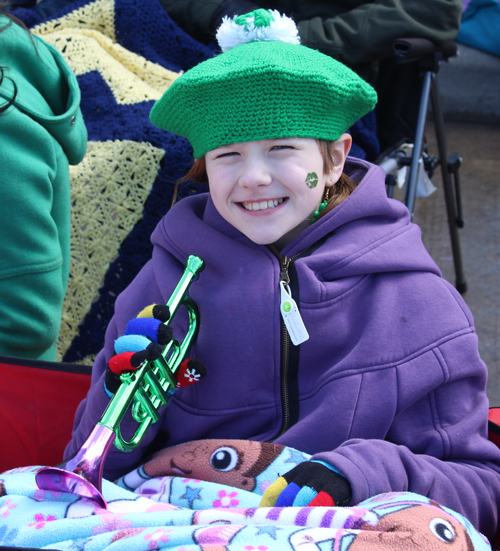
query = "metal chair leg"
x=390 y=182
x=429 y=57
x=416 y=162
x=461 y=283
x=454 y=164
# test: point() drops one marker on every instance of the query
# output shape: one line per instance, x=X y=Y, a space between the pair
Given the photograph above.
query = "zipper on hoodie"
x=285 y=353
x=285 y=265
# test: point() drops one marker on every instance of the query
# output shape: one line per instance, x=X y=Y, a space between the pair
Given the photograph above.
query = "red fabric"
x=182 y=380
x=494 y=425
x=190 y=371
x=494 y=415
x=323 y=499
x=37 y=407
x=121 y=363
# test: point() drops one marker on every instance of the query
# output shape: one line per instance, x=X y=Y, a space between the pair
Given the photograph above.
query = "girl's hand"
x=144 y=340
x=308 y=484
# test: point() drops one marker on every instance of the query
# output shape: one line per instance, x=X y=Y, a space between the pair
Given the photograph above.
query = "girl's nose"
x=255 y=174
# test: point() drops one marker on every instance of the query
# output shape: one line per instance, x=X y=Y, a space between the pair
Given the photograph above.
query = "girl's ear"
x=341 y=148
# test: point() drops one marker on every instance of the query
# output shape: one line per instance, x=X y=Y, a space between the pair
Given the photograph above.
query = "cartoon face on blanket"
x=388 y=521
x=235 y=463
x=415 y=526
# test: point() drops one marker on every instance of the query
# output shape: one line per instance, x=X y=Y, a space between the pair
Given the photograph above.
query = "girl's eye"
x=229 y=154
x=278 y=147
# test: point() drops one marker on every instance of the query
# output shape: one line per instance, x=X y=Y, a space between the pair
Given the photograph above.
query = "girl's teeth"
x=263 y=205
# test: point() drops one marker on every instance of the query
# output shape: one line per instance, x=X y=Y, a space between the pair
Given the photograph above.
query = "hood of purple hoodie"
x=370 y=232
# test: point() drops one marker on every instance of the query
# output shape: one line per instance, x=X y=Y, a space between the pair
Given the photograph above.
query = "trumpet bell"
x=81 y=474
x=53 y=479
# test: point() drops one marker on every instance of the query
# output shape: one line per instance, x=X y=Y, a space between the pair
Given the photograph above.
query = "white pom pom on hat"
x=258 y=26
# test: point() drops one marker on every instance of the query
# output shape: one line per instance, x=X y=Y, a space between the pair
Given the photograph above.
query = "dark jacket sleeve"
x=353 y=36
x=194 y=16
x=366 y=32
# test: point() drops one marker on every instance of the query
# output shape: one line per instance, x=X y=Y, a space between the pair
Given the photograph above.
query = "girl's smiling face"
x=269 y=189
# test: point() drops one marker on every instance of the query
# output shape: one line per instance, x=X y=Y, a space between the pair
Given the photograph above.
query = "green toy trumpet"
x=144 y=391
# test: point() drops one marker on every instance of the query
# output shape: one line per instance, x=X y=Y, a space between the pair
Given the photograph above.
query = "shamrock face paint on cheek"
x=312 y=180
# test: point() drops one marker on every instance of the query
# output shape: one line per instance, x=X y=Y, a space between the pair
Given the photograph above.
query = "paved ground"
x=478 y=144
x=469 y=85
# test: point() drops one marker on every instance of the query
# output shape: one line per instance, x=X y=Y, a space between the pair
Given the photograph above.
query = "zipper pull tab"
x=291 y=316
x=284 y=277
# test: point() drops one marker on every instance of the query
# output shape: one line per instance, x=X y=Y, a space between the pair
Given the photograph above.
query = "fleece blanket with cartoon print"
x=205 y=495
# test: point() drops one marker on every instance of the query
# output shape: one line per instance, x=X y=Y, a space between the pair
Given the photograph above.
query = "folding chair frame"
x=429 y=58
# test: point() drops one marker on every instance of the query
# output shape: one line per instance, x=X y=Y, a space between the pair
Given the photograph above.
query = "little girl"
x=325 y=325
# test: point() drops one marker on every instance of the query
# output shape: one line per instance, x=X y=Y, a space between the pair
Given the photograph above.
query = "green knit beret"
x=263 y=90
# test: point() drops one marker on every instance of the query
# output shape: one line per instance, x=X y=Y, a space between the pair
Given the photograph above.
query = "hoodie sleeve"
x=437 y=446
x=35 y=231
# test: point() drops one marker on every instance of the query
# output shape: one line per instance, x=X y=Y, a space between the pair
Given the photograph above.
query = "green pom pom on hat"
x=263 y=89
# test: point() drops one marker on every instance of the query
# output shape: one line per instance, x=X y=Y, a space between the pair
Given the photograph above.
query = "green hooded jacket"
x=40 y=135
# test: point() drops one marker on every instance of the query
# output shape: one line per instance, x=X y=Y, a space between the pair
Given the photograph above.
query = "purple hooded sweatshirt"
x=389 y=389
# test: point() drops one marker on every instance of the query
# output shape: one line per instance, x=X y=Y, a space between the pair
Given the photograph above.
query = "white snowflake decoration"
x=231 y=34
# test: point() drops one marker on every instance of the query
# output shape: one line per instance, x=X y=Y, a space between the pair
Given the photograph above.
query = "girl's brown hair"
x=344 y=186
x=338 y=192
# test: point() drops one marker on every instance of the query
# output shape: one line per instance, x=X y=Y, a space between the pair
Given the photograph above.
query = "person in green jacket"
x=41 y=132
